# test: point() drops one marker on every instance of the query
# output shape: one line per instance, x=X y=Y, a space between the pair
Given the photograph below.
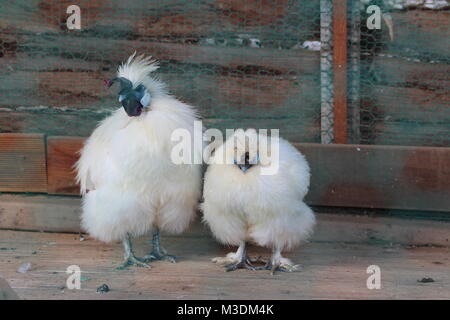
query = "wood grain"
x=407 y=115
x=299 y=61
x=167 y=19
x=232 y=96
x=411 y=133
x=330 y=271
x=62 y=214
x=400 y=72
x=22 y=163
x=340 y=71
x=62 y=154
x=418 y=34
x=411 y=178
x=71 y=123
x=40 y=213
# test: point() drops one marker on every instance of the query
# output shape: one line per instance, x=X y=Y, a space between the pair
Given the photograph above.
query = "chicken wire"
x=398 y=74
x=256 y=63
x=242 y=63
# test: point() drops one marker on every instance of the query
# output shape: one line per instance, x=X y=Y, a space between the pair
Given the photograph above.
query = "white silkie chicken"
x=130 y=185
x=243 y=205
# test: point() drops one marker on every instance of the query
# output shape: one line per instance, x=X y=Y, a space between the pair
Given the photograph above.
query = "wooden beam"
x=22 y=163
x=340 y=70
x=40 y=213
x=394 y=177
x=367 y=176
x=62 y=214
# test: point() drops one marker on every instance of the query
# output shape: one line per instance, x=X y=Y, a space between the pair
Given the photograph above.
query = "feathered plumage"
x=128 y=181
x=245 y=205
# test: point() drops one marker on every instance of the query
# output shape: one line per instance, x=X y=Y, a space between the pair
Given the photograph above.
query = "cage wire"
x=255 y=63
x=398 y=76
x=326 y=72
x=244 y=64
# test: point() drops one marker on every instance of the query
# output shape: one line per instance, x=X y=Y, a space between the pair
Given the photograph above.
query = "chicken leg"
x=278 y=263
x=239 y=260
x=158 y=252
x=130 y=258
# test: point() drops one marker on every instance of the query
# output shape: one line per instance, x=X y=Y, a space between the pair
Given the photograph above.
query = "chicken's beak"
x=132 y=107
x=245 y=163
x=244 y=167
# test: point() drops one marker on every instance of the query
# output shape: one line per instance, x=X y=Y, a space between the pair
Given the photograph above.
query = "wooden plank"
x=268 y=60
x=51 y=122
x=418 y=34
x=243 y=97
x=170 y=20
x=393 y=71
x=411 y=133
x=59 y=89
x=62 y=154
x=238 y=96
x=22 y=163
x=408 y=104
x=49 y=15
x=82 y=122
x=40 y=213
x=330 y=271
x=340 y=71
x=61 y=214
x=417 y=116
x=410 y=178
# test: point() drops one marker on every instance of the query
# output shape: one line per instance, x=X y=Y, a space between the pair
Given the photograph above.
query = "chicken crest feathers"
x=137 y=69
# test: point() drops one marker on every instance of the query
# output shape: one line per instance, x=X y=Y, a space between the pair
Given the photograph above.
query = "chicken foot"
x=158 y=252
x=278 y=263
x=234 y=261
x=130 y=258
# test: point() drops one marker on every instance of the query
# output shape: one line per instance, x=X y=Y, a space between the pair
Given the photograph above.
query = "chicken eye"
x=121 y=97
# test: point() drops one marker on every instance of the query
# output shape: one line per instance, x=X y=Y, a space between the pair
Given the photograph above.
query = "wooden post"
x=340 y=70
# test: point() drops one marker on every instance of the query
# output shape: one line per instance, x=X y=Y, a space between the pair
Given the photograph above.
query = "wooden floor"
x=330 y=270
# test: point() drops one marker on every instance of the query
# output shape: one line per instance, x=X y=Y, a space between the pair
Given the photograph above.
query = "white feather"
x=126 y=165
x=265 y=209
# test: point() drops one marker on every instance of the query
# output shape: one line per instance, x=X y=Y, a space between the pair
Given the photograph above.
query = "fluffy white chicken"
x=241 y=204
x=130 y=185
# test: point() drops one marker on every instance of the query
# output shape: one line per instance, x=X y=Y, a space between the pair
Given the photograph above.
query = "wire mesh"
x=255 y=63
x=398 y=83
x=242 y=63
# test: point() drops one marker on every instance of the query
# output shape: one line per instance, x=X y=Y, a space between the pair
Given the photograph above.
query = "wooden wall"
x=52 y=78
x=390 y=177
x=51 y=84
x=405 y=83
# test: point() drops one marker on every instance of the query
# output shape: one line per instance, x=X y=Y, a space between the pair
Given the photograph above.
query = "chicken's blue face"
x=133 y=100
